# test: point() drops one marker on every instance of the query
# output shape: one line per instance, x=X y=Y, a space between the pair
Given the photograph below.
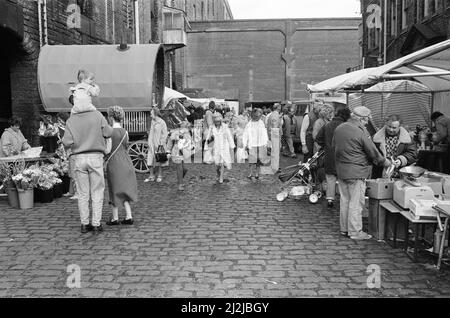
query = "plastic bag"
x=207 y=156
x=241 y=155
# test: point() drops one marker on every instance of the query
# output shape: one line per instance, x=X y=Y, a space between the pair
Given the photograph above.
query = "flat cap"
x=362 y=111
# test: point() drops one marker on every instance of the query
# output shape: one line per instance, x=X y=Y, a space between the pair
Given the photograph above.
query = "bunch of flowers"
x=48 y=178
x=47 y=128
x=27 y=179
x=60 y=166
x=8 y=170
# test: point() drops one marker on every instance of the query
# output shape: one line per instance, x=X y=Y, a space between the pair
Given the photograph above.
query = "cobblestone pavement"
x=230 y=240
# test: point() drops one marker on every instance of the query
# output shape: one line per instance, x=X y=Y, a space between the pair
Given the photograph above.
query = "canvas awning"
x=170 y=94
x=431 y=56
x=132 y=78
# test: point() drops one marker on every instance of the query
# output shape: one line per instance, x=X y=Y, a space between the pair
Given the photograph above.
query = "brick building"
x=268 y=60
x=26 y=25
x=189 y=11
x=410 y=25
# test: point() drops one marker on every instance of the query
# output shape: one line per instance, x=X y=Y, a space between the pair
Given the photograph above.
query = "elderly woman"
x=12 y=140
x=223 y=142
x=326 y=114
x=157 y=138
x=120 y=173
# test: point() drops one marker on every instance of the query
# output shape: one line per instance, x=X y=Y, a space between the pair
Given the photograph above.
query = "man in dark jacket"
x=394 y=143
x=354 y=152
x=324 y=140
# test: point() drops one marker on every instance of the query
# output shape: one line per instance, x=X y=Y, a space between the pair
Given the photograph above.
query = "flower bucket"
x=44 y=196
x=13 y=197
x=58 y=191
x=26 y=198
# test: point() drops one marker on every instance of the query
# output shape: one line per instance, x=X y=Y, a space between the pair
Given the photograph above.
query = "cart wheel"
x=313 y=198
x=138 y=151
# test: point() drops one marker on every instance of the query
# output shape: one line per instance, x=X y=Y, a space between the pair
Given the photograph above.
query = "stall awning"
x=373 y=75
x=131 y=78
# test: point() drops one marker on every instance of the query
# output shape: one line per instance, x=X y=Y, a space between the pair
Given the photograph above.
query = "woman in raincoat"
x=223 y=143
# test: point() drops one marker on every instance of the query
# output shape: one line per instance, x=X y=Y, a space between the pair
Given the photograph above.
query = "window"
x=373 y=38
x=431 y=7
x=405 y=6
x=213 y=6
x=394 y=18
x=195 y=12
x=203 y=11
x=420 y=10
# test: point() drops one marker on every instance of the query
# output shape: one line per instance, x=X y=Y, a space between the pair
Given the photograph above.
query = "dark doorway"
x=5 y=95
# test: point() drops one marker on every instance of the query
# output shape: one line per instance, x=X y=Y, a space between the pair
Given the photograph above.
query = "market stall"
x=413 y=87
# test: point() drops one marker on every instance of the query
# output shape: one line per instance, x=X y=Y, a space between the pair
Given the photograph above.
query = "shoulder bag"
x=115 y=150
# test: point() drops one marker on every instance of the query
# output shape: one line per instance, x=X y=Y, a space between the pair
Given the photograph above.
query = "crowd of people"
x=97 y=148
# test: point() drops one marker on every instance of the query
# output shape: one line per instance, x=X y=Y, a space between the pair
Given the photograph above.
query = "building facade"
x=268 y=60
x=410 y=26
x=26 y=25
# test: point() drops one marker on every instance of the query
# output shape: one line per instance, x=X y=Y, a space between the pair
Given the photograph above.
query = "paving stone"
x=234 y=241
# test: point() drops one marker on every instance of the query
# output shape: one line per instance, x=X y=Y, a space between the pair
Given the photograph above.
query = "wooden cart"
x=131 y=77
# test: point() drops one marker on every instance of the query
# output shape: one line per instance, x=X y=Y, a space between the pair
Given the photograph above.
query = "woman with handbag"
x=122 y=184
x=157 y=138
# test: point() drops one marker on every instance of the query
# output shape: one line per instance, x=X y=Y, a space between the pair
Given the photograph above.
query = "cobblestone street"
x=231 y=240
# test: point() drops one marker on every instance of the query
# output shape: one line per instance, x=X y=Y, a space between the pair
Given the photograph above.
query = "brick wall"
x=96 y=28
x=438 y=22
x=267 y=60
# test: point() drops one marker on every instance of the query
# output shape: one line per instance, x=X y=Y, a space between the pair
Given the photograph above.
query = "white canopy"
x=373 y=75
x=170 y=94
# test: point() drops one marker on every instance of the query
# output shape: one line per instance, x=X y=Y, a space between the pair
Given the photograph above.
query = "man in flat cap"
x=355 y=153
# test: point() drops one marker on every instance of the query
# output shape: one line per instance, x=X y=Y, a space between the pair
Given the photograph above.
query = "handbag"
x=161 y=155
x=105 y=163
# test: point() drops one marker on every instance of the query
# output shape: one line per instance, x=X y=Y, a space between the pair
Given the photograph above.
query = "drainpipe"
x=45 y=23
x=39 y=2
x=385 y=32
x=114 y=22
x=136 y=20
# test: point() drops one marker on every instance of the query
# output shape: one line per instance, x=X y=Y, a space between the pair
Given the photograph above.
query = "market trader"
x=442 y=136
x=12 y=141
x=354 y=152
x=394 y=141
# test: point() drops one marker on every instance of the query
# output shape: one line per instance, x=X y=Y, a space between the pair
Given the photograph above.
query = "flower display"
x=27 y=179
x=60 y=166
x=48 y=178
x=8 y=170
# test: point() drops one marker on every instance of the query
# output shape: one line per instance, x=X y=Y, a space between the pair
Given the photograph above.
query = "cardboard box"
x=380 y=189
x=433 y=182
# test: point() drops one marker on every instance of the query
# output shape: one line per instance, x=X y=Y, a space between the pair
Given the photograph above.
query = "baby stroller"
x=298 y=180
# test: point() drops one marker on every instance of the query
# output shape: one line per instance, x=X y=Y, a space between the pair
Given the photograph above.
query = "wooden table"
x=391 y=208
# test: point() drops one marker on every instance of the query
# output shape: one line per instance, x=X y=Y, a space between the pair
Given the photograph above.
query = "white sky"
x=291 y=9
